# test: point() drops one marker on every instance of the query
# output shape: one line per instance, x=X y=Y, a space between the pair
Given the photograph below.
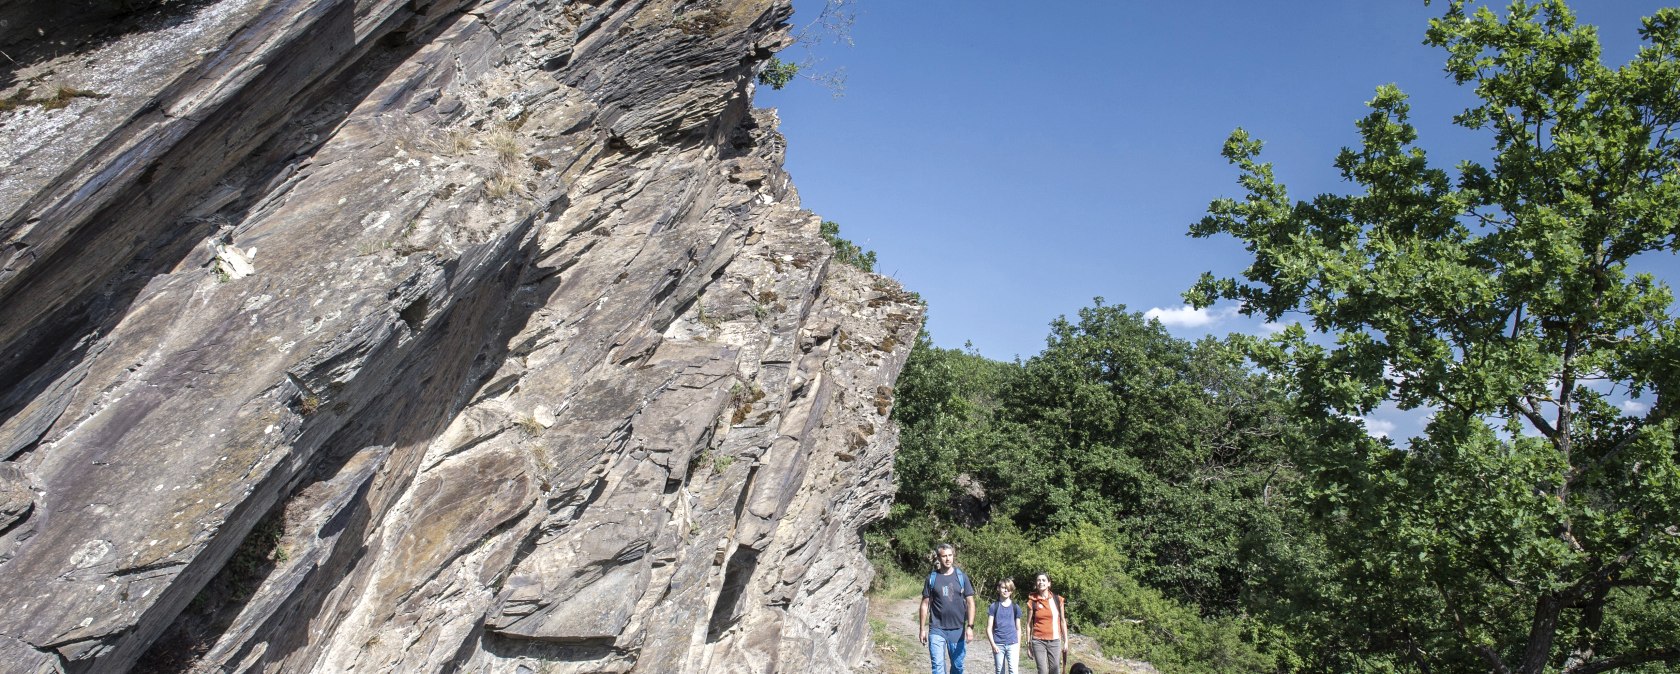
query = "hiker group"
x=947 y=621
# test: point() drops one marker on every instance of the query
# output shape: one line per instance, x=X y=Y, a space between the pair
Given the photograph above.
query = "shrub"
x=845 y=251
x=777 y=73
x=1087 y=566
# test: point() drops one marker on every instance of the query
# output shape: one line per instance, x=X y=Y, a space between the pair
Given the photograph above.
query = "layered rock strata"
x=426 y=336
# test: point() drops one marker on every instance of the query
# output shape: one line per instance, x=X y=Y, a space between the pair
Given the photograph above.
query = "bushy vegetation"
x=846 y=252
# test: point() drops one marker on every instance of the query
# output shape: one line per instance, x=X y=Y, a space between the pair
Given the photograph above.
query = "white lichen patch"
x=256 y=302
x=90 y=553
x=231 y=262
x=375 y=221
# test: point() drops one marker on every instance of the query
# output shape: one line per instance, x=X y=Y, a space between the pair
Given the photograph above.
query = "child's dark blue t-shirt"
x=1005 y=621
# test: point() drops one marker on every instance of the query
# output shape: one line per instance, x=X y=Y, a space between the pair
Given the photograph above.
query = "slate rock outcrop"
x=377 y=336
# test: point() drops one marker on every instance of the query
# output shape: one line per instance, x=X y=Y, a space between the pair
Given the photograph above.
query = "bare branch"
x=1531 y=411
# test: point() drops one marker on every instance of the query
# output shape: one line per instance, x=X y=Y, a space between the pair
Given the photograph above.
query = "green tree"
x=944 y=404
x=1535 y=525
x=1170 y=444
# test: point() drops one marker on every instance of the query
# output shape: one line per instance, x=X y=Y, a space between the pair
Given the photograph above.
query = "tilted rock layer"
x=426 y=336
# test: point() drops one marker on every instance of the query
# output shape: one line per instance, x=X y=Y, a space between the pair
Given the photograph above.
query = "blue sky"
x=1012 y=161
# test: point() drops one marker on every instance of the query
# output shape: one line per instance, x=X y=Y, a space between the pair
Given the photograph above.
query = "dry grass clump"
x=503 y=185
x=503 y=141
x=458 y=142
x=60 y=97
x=530 y=426
x=63 y=94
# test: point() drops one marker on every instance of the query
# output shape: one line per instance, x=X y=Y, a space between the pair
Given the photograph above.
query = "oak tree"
x=1534 y=525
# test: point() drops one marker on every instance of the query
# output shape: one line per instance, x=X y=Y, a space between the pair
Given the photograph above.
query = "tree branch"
x=1609 y=569
x=1531 y=411
x=1664 y=654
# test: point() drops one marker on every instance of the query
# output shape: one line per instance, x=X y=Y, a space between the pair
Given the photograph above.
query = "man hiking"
x=948 y=599
x=1047 y=623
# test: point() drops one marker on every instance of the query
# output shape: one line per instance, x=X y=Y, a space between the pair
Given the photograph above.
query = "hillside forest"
x=1217 y=505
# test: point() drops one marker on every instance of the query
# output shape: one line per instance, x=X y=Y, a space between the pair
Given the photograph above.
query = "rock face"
x=413 y=336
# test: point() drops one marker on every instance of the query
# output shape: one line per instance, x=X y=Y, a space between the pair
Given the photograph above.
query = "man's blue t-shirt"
x=1005 y=620
x=948 y=606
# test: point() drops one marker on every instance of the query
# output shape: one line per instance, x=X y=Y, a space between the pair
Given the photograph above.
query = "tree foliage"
x=845 y=251
x=1535 y=526
x=777 y=73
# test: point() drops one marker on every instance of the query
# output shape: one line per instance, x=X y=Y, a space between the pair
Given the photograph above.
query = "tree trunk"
x=1541 y=632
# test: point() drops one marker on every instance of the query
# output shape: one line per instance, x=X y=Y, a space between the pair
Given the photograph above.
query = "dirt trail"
x=898 y=650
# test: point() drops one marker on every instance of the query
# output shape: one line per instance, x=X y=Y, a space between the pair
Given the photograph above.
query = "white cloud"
x=1378 y=428
x=1270 y=328
x=1189 y=317
x=1635 y=407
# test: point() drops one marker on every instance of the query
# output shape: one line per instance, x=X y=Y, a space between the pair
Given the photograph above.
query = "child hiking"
x=1003 y=629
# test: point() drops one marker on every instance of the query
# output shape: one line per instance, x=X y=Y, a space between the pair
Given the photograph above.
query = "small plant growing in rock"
x=778 y=73
x=845 y=251
x=544 y=459
x=309 y=405
x=711 y=322
x=530 y=425
x=742 y=397
x=62 y=96
x=14 y=101
x=706 y=21
x=458 y=142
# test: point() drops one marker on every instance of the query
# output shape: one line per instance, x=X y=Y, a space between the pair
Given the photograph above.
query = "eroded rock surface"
x=427 y=336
